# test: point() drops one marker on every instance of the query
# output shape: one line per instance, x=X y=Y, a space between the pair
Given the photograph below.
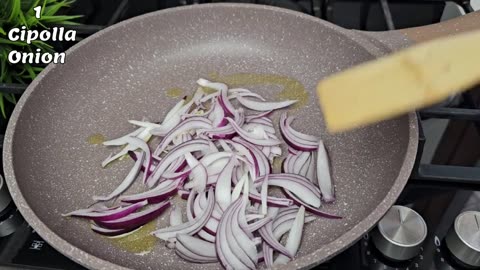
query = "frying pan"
x=123 y=72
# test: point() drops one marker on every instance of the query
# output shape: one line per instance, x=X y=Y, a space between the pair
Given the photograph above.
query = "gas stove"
x=432 y=226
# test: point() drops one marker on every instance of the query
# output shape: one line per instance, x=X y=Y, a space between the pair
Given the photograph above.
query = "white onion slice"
x=264 y=106
x=323 y=174
x=294 y=237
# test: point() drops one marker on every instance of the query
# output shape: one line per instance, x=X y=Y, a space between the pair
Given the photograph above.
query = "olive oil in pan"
x=174 y=92
x=96 y=138
x=292 y=88
x=139 y=242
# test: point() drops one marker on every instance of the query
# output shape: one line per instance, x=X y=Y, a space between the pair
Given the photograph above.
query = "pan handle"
x=388 y=41
x=454 y=26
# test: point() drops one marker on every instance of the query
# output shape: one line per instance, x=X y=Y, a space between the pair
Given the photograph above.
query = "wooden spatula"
x=411 y=79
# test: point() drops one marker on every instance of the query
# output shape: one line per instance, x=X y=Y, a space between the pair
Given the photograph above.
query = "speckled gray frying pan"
x=123 y=73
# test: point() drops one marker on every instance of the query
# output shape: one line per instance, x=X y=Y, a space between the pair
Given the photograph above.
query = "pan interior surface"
x=126 y=72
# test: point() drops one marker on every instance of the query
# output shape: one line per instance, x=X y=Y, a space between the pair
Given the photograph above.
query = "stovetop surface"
x=25 y=249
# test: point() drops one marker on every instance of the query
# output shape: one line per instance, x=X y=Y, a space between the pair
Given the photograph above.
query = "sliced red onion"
x=190 y=227
x=298 y=185
x=259 y=224
x=140 y=144
x=176 y=216
x=136 y=219
x=126 y=183
x=233 y=246
x=260 y=161
x=158 y=194
x=264 y=195
x=323 y=174
x=121 y=141
x=192 y=123
x=264 y=106
x=260 y=129
x=225 y=103
x=190 y=205
x=238 y=187
x=178 y=151
x=271 y=201
x=113 y=214
x=267 y=255
x=198 y=247
x=214 y=85
x=144 y=124
x=143 y=135
x=294 y=237
x=217 y=115
x=184 y=137
x=299 y=163
x=248 y=137
x=173 y=118
x=223 y=188
x=242 y=92
x=281 y=228
x=112 y=232
x=309 y=208
x=295 y=139
x=183 y=193
x=198 y=175
x=312 y=168
x=206 y=236
x=249 y=118
x=267 y=234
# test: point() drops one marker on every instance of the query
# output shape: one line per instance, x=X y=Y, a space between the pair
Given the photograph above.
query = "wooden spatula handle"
x=454 y=26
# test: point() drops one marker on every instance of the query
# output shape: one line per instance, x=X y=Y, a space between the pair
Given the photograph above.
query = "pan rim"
x=91 y=261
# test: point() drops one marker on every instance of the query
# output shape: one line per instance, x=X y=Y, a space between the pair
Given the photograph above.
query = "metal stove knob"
x=400 y=233
x=463 y=239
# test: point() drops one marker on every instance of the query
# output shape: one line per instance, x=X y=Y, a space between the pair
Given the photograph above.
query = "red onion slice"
x=309 y=208
x=198 y=175
x=281 y=228
x=323 y=174
x=248 y=137
x=260 y=161
x=112 y=232
x=192 y=123
x=126 y=183
x=267 y=255
x=251 y=117
x=242 y=92
x=295 y=139
x=267 y=234
x=121 y=140
x=198 y=247
x=158 y=194
x=294 y=237
x=298 y=185
x=178 y=151
x=136 y=219
x=206 y=236
x=113 y=214
x=259 y=224
x=264 y=106
x=264 y=195
x=223 y=194
x=172 y=118
x=190 y=227
x=271 y=201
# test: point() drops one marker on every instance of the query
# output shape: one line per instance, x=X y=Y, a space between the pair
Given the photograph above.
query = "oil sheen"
x=96 y=138
x=139 y=242
x=292 y=88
